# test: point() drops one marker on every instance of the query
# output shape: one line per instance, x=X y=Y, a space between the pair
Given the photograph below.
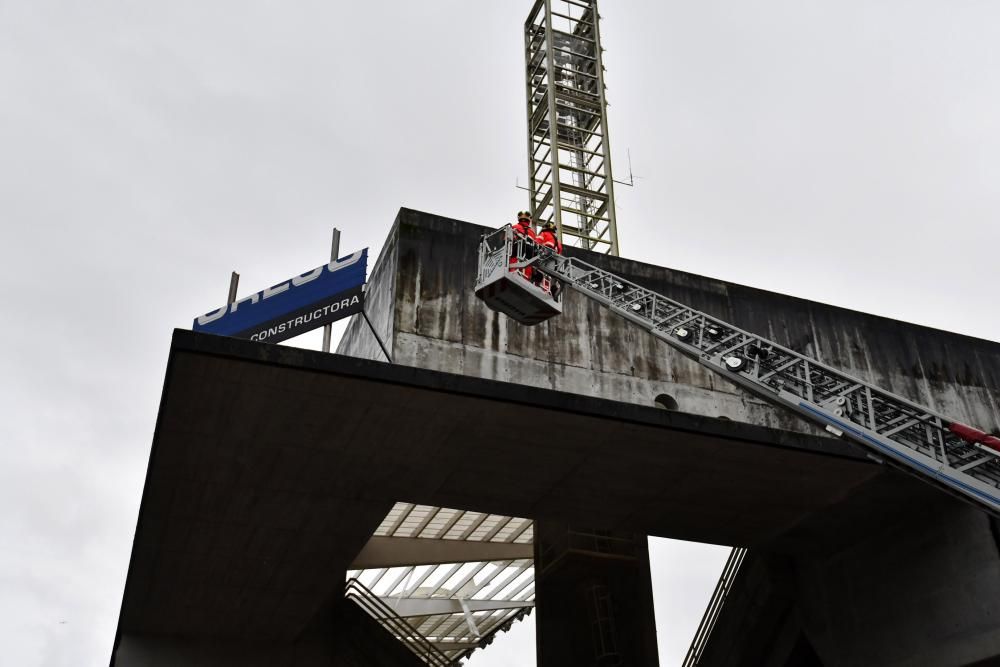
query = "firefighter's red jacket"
x=549 y=240
x=524 y=229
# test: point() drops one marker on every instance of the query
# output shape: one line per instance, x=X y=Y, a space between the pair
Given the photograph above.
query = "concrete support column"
x=593 y=598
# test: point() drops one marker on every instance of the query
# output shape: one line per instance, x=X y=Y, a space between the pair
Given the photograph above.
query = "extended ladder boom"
x=938 y=449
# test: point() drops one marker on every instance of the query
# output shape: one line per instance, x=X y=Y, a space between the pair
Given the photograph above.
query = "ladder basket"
x=509 y=279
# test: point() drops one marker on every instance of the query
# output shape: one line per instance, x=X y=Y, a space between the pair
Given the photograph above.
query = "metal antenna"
x=631 y=178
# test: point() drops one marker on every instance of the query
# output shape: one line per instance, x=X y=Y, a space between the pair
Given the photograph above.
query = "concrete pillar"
x=593 y=598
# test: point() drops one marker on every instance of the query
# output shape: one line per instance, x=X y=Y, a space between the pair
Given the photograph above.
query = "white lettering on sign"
x=277 y=289
x=214 y=315
x=298 y=281
x=253 y=298
x=305 y=319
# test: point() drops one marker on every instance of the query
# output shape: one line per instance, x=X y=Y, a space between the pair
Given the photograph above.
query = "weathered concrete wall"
x=758 y=620
x=924 y=590
x=945 y=562
x=380 y=295
x=593 y=608
x=437 y=323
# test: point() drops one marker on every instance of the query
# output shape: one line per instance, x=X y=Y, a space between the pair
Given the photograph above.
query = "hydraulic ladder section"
x=569 y=156
x=964 y=460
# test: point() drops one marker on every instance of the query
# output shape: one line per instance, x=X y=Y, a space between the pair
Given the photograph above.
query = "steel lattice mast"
x=569 y=155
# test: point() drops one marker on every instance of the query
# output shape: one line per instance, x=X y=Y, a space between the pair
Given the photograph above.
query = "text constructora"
x=338 y=309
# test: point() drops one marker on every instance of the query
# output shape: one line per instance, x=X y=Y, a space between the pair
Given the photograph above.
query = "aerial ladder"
x=957 y=457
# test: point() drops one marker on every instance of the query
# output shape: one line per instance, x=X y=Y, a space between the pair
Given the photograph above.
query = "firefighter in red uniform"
x=523 y=225
x=548 y=237
x=523 y=229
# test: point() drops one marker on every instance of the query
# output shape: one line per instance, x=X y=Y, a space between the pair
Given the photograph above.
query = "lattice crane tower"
x=569 y=154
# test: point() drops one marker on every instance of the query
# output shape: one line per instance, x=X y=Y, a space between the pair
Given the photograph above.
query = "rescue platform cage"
x=509 y=281
x=453 y=581
x=569 y=155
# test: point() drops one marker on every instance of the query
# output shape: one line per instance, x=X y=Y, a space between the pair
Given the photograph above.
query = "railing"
x=395 y=624
x=495 y=250
x=504 y=250
x=715 y=606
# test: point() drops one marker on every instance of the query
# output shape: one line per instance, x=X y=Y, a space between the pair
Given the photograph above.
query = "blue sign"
x=300 y=304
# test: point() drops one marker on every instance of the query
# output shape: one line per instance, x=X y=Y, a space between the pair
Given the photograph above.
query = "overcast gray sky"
x=847 y=152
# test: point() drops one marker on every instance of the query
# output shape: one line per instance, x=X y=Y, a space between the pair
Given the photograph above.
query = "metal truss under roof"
x=455 y=577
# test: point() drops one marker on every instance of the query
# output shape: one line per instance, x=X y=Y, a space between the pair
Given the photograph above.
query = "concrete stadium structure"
x=272 y=467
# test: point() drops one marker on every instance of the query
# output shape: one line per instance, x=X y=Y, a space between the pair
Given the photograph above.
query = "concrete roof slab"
x=272 y=466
